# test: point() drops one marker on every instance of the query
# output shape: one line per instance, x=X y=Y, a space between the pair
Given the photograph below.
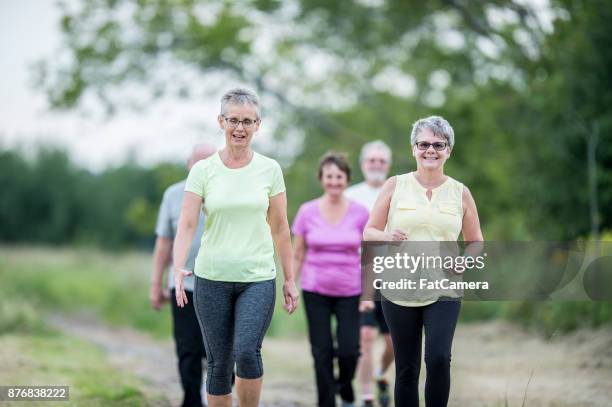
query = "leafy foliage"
x=48 y=200
x=529 y=97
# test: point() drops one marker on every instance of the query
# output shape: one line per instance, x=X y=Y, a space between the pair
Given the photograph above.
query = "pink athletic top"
x=332 y=259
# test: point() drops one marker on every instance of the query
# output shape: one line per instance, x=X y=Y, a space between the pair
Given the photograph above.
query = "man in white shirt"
x=375 y=161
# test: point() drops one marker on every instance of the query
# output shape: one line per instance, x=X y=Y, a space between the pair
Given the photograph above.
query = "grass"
x=115 y=286
x=55 y=359
x=35 y=281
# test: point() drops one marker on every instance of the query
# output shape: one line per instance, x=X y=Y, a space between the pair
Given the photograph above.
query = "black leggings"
x=319 y=310
x=406 y=326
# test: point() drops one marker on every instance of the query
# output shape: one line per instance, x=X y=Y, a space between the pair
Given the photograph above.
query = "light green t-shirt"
x=237 y=243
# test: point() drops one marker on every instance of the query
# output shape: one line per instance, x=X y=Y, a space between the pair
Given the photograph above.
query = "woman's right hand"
x=179 y=286
x=396 y=236
x=366 y=305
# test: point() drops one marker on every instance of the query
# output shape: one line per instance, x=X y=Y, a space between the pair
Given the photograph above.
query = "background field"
x=82 y=317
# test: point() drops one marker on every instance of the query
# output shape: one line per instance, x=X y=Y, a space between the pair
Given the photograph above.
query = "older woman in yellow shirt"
x=424 y=205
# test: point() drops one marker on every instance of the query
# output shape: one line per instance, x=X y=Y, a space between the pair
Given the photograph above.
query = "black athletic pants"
x=189 y=349
x=319 y=311
x=406 y=325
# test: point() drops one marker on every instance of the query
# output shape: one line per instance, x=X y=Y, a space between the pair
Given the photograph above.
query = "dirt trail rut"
x=492 y=363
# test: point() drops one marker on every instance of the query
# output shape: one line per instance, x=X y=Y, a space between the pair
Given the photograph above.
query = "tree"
x=570 y=119
x=335 y=74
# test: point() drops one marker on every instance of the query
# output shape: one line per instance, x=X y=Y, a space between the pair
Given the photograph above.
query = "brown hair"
x=339 y=160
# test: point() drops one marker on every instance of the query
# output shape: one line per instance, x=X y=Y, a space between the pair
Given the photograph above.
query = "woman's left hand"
x=291 y=296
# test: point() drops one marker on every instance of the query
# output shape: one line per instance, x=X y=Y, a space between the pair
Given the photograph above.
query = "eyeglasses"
x=234 y=122
x=424 y=145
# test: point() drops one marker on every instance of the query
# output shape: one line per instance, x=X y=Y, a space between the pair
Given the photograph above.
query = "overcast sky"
x=28 y=32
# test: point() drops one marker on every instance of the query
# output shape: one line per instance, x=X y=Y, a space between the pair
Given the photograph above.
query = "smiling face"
x=333 y=180
x=430 y=159
x=239 y=136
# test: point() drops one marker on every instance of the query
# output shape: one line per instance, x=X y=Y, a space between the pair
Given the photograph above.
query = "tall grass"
x=56 y=359
x=115 y=287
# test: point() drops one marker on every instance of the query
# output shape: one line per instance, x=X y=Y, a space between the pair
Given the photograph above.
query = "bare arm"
x=161 y=260
x=471 y=224
x=299 y=249
x=187 y=225
x=279 y=226
x=472 y=234
x=375 y=228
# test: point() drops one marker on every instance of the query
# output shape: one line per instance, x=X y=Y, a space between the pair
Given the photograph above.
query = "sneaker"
x=384 y=397
x=368 y=403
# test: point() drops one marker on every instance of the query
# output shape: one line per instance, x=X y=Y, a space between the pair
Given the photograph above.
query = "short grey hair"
x=240 y=96
x=374 y=145
x=438 y=126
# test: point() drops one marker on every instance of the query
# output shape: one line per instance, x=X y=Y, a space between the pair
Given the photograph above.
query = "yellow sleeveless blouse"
x=423 y=220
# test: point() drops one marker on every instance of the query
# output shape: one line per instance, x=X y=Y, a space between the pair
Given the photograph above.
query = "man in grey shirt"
x=186 y=330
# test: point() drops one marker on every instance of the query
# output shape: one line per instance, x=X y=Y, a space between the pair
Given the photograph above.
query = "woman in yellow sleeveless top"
x=425 y=205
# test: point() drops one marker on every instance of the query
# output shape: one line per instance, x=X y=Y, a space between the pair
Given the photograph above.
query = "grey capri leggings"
x=234 y=318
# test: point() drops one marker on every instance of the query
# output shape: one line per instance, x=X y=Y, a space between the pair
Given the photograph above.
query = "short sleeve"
x=278 y=183
x=299 y=223
x=163 y=228
x=196 y=178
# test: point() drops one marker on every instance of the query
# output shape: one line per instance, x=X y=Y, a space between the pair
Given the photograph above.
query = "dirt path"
x=492 y=363
x=495 y=361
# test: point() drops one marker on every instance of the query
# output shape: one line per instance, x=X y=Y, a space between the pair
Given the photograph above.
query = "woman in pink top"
x=328 y=233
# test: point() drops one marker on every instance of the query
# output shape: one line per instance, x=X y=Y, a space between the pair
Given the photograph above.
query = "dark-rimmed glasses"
x=424 y=145
x=233 y=122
